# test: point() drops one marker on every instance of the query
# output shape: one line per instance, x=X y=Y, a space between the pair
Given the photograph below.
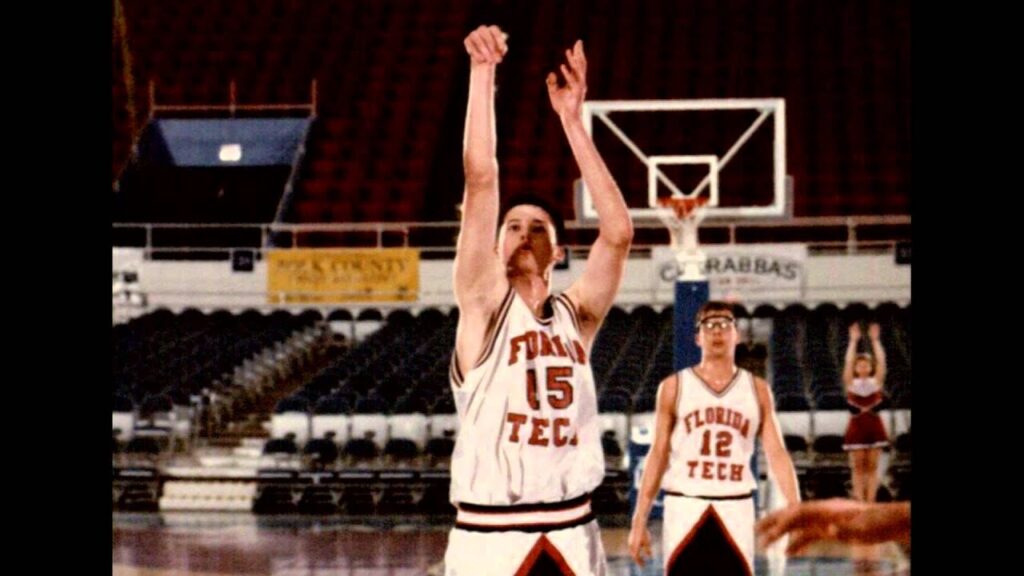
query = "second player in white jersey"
x=531 y=403
x=714 y=437
x=708 y=417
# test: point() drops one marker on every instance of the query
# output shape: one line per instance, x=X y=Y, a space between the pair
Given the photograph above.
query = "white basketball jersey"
x=714 y=437
x=864 y=386
x=528 y=410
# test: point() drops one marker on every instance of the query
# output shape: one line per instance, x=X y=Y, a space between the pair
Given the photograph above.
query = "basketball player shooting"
x=528 y=453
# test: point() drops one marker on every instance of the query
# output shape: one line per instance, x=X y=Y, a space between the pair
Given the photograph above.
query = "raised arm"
x=875 y=335
x=779 y=462
x=479 y=278
x=595 y=290
x=851 y=354
x=654 y=468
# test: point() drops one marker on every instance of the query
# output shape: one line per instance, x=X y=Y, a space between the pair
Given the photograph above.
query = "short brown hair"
x=534 y=200
x=711 y=306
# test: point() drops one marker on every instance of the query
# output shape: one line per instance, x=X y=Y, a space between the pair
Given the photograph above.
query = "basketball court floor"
x=221 y=544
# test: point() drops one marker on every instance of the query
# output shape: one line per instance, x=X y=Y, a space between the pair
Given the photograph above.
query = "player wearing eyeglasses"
x=708 y=418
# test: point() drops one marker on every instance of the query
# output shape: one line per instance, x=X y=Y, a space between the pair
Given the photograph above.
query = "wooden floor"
x=199 y=544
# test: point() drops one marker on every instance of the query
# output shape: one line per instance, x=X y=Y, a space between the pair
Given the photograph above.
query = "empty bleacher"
x=391 y=82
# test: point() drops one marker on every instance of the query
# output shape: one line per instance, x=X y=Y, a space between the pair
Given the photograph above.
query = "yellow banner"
x=343 y=275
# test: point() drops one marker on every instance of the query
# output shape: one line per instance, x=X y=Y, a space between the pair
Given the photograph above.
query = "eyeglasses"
x=719 y=322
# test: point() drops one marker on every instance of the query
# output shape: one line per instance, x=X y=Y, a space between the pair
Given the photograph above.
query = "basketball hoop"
x=684 y=207
x=682 y=215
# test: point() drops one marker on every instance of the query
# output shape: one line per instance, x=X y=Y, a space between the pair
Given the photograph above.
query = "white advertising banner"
x=127 y=258
x=742 y=271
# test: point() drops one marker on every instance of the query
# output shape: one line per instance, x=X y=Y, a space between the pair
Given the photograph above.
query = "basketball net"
x=682 y=216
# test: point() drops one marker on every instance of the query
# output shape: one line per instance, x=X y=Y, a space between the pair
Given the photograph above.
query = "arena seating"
x=391 y=75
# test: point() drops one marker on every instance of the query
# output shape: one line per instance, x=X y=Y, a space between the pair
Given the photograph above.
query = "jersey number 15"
x=558 y=384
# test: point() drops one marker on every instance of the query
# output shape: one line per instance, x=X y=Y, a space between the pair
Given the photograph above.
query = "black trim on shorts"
x=541 y=527
x=520 y=508
x=732 y=497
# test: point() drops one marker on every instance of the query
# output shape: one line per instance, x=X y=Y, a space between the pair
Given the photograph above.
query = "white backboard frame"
x=766 y=107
